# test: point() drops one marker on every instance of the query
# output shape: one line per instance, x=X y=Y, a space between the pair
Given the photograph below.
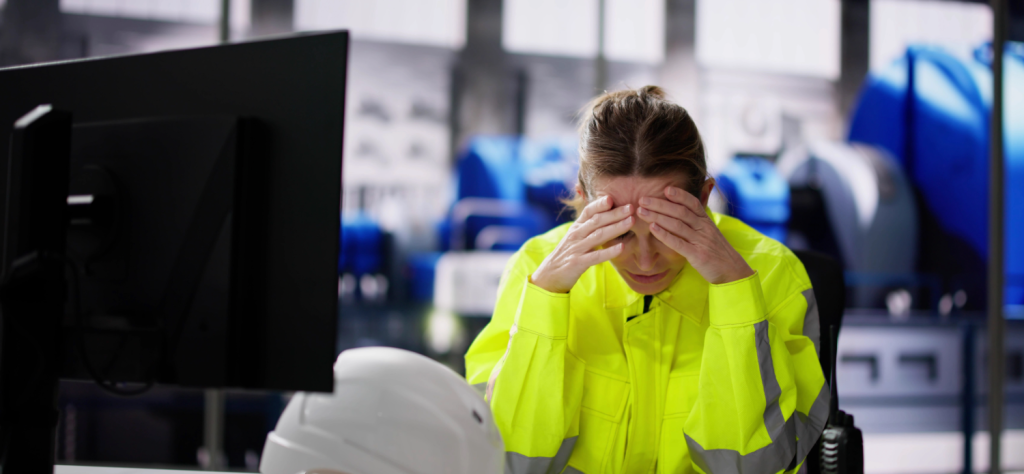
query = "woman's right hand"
x=580 y=248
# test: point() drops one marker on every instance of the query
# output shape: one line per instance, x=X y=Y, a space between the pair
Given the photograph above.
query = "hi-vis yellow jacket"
x=713 y=378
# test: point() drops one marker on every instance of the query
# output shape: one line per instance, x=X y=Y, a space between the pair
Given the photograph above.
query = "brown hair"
x=638 y=133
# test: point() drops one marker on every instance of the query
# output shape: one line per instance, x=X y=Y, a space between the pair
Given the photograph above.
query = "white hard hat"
x=392 y=411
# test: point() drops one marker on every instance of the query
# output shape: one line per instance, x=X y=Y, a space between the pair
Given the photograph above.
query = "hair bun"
x=652 y=91
x=645 y=94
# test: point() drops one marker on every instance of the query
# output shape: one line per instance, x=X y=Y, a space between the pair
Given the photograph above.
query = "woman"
x=651 y=335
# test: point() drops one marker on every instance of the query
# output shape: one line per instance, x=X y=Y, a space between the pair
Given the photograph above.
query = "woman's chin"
x=647 y=284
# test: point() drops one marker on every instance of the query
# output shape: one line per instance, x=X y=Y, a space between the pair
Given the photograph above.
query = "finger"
x=674 y=242
x=669 y=208
x=603 y=255
x=600 y=204
x=679 y=196
x=605 y=234
x=602 y=219
x=673 y=225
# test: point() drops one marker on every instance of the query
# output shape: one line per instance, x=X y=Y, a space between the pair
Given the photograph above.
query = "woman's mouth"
x=645 y=279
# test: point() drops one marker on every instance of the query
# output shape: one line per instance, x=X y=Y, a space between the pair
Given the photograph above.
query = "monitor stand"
x=33 y=289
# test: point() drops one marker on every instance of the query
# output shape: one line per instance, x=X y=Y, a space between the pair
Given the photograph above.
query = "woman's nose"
x=645 y=253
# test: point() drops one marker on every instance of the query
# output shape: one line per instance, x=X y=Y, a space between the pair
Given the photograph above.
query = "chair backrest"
x=826 y=274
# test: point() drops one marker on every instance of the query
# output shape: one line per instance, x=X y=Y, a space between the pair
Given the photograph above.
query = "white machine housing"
x=869 y=202
x=466 y=283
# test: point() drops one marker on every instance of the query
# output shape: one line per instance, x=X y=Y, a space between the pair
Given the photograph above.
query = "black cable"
x=107 y=386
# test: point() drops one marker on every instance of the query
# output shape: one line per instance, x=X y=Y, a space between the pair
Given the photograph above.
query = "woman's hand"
x=578 y=250
x=681 y=223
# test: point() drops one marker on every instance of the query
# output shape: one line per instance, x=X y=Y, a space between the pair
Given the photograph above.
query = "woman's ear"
x=579 y=190
x=705 y=192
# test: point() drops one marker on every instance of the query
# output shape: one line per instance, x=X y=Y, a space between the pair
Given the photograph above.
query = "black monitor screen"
x=203 y=211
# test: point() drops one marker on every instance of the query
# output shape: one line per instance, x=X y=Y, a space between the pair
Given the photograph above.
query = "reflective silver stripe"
x=516 y=463
x=773 y=419
x=480 y=388
x=780 y=453
x=811 y=425
x=764 y=460
x=812 y=324
x=562 y=456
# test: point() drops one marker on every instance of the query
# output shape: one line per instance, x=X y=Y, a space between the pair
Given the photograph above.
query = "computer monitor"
x=197 y=195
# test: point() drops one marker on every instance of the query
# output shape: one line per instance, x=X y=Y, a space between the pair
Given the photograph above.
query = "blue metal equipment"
x=361 y=246
x=508 y=191
x=756 y=194
x=931 y=111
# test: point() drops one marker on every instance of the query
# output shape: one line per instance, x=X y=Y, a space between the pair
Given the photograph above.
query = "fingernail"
x=643 y=211
x=673 y=191
x=645 y=201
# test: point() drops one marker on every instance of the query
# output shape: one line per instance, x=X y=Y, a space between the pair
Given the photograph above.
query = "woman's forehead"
x=629 y=189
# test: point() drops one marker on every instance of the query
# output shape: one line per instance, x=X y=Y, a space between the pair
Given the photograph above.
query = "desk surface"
x=66 y=469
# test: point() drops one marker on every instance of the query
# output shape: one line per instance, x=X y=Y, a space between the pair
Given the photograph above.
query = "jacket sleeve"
x=762 y=400
x=534 y=384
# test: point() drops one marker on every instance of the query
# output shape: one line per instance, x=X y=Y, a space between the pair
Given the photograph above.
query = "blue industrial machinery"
x=757 y=194
x=508 y=191
x=363 y=259
x=549 y=173
x=931 y=111
x=489 y=167
x=420 y=268
x=362 y=246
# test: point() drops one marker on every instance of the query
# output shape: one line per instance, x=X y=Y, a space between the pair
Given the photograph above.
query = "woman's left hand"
x=679 y=221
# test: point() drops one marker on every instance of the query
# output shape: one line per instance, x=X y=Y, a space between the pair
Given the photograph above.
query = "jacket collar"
x=687 y=294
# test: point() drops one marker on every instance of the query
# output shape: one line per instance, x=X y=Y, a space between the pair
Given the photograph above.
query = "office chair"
x=826 y=275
